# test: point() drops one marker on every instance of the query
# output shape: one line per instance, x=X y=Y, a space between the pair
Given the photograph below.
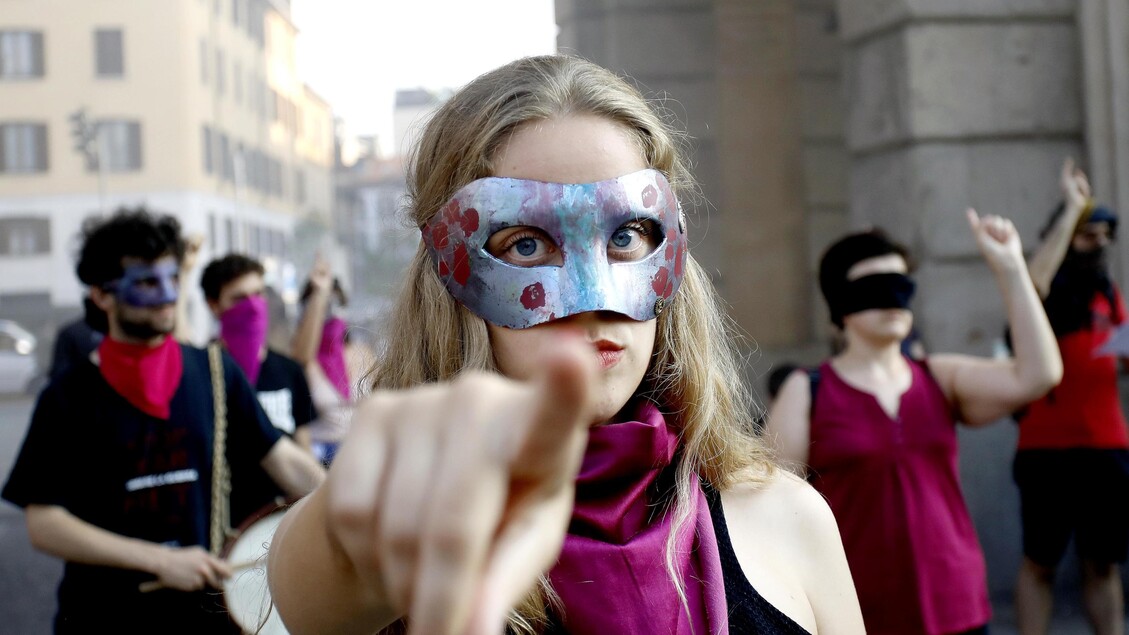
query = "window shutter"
x=37 y=63
x=133 y=133
x=40 y=147
x=4 y=132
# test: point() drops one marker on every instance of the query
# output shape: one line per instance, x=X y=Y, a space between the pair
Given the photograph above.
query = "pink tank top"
x=895 y=492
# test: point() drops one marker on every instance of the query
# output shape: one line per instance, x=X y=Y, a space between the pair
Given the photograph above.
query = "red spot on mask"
x=444 y=269
x=469 y=221
x=662 y=284
x=650 y=196
x=533 y=296
x=462 y=264
x=679 y=260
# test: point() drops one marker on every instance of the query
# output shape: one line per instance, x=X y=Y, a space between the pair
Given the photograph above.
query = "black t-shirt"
x=285 y=397
x=284 y=393
x=92 y=452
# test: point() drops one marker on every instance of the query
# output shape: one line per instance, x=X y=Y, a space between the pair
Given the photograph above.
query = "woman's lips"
x=609 y=353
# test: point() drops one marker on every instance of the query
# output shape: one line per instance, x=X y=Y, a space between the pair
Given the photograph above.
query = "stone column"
x=957 y=103
x=762 y=203
x=1105 y=61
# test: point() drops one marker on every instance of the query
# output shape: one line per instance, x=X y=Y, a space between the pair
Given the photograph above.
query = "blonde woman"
x=556 y=442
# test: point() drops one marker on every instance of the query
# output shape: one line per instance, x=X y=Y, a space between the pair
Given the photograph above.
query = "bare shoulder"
x=781 y=496
x=805 y=573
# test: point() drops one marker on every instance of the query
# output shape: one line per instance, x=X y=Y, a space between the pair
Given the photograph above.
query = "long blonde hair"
x=694 y=374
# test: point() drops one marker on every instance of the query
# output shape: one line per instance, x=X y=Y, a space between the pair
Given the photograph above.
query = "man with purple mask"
x=115 y=473
x=236 y=294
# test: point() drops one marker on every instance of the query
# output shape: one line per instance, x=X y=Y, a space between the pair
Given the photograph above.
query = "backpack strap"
x=814 y=376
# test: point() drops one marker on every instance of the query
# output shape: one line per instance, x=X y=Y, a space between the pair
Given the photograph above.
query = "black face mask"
x=877 y=291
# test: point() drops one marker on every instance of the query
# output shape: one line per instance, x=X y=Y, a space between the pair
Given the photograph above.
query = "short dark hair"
x=128 y=233
x=221 y=271
x=846 y=253
x=337 y=290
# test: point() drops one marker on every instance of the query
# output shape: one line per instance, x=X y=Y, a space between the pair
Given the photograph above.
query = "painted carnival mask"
x=583 y=221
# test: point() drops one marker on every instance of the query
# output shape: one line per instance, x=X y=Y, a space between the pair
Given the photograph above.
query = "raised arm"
x=789 y=422
x=1048 y=256
x=54 y=530
x=444 y=504
x=307 y=335
x=982 y=389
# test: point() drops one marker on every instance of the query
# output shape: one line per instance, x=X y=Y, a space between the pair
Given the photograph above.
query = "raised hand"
x=998 y=241
x=321 y=274
x=1074 y=185
x=448 y=501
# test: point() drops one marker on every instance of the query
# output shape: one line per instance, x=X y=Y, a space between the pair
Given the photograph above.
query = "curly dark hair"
x=128 y=233
x=221 y=271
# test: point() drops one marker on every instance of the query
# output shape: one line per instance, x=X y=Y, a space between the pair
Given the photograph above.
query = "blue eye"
x=526 y=246
x=622 y=238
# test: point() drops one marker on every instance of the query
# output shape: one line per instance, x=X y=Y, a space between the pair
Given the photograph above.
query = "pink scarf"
x=146 y=376
x=243 y=329
x=611 y=575
x=331 y=355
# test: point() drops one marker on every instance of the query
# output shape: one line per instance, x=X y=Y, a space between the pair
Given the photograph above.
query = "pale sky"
x=357 y=53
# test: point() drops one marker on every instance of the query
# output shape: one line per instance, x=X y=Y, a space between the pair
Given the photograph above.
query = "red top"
x=1084 y=411
x=895 y=492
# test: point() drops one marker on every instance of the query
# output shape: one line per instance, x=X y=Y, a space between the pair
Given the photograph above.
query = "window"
x=220 y=74
x=108 y=55
x=299 y=186
x=25 y=236
x=208 y=151
x=238 y=10
x=274 y=178
x=21 y=54
x=23 y=148
x=121 y=145
x=204 y=61
x=229 y=235
x=213 y=227
x=227 y=170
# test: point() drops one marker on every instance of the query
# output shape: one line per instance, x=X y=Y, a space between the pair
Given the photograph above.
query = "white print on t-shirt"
x=279 y=406
x=157 y=480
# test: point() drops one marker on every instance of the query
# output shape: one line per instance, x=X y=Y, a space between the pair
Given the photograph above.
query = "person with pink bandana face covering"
x=235 y=291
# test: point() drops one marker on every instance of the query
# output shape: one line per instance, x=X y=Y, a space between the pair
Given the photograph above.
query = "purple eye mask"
x=147 y=285
x=580 y=220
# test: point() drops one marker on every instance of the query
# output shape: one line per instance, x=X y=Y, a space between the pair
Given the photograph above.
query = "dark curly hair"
x=128 y=233
x=221 y=271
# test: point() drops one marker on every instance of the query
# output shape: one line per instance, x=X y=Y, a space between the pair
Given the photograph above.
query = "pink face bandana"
x=243 y=329
x=581 y=220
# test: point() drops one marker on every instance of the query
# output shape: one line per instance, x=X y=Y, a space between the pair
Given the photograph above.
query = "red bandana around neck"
x=611 y=575
x=146 y=376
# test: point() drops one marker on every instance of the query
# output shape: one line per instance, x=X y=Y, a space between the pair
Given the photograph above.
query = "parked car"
x=18 y=364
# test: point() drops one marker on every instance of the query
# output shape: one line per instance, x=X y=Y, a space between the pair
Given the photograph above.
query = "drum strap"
x=221 y=476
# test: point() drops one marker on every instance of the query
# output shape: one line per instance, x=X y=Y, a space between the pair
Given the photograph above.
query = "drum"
x=245 y=592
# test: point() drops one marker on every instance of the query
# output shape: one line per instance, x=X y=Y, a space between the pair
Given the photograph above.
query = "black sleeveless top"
x=749 y=612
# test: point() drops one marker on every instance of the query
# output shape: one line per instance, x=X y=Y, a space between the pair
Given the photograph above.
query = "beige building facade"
x=815 y=117
x=194 y=108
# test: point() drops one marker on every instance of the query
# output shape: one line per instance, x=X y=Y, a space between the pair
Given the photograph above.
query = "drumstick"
x=156 y=585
